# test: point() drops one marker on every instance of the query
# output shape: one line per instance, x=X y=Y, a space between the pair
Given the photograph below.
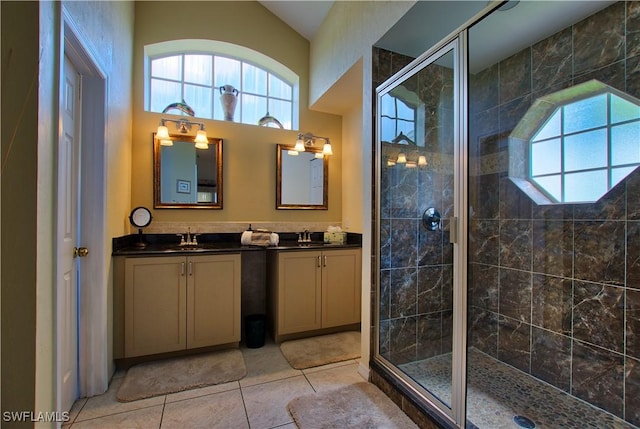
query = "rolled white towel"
x=245 y=239
x=260 y=238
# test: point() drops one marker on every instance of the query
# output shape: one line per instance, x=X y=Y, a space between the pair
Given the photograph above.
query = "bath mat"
x=322 y=350
x=177 y=374
x=360 y=405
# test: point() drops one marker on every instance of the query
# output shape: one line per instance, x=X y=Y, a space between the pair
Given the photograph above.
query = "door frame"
x=456 y=414
x=93 y=365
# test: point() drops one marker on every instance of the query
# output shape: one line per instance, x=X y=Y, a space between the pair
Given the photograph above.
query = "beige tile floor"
x=258 y=401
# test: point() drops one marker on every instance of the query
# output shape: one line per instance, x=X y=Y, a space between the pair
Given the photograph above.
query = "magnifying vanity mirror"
x=302 y=179
x=186 y=176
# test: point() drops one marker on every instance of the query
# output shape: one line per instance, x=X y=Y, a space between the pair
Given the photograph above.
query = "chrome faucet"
x=304 y=236
x=191 y=239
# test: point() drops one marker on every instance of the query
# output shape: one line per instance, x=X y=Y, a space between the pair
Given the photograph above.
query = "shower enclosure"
x=508 y=218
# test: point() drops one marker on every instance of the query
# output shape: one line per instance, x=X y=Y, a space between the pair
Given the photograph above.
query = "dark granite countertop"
x=169 y=244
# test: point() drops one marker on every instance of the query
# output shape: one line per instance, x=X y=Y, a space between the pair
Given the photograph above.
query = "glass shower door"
x=417 y=141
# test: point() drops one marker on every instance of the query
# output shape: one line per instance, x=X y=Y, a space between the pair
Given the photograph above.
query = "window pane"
x=625 y=143
x=279 y=88
x=281 y=110
x=253 y=108
x=550 y=129
x=226 y=72
x=585 y=186
x=199 y=98
x=388 y=107
x=197 y=69
x=407 y=129
x=163 y=93
x=585 y=150
x=387 y=129
x=623 y=110
x=618 y=174
x=585 y=114
x=167 y=67
x=551 y=184
x=405 y=111
x=254 y=80
x=545 y=157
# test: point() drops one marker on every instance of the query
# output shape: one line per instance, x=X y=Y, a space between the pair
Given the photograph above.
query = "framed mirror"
x=185 y=176
x=302 y=179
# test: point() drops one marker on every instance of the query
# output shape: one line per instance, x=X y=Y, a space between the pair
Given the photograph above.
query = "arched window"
x=579 y=143
x=198 y=71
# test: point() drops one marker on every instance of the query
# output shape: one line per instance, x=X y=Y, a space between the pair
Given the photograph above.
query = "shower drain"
x=524 y=422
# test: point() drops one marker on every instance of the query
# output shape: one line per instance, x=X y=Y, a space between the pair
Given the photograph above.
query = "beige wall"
x=249 y=177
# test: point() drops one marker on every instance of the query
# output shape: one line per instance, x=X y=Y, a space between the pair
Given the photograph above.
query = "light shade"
x=422 y=160
x=402 y=158
x=299 y=145
x=292 y=153
x=201 y=145
x=166 y=142
x=319 y=155
x=162 y=133
x=201 y=137
x=326 y=149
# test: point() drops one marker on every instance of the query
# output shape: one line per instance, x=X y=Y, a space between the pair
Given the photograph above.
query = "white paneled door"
x=67 y=239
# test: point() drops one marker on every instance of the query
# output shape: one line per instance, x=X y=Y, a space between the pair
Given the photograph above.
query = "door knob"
x=80 y=252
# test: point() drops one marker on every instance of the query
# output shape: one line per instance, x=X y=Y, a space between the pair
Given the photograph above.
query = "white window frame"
x=223 y=49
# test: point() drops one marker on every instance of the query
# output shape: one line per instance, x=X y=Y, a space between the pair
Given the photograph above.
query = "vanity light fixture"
x=309 y=140
x=183 y=126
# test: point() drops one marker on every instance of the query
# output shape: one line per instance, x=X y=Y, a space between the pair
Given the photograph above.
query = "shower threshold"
x=497 y=392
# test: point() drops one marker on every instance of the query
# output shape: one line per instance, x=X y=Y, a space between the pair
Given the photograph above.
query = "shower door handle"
x=453 y=230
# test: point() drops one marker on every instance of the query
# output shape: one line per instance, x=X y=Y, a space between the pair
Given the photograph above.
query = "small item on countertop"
x=259 y=237
x=335 y=235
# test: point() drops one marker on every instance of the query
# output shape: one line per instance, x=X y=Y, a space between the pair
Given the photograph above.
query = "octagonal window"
x=576 y=144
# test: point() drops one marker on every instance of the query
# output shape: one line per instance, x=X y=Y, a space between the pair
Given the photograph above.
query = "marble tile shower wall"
x=416 y=303
x=555 y=290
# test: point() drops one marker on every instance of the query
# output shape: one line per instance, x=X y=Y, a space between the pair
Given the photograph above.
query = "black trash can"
x=254 y=330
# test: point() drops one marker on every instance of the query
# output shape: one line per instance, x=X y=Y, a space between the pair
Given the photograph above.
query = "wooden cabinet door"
x=299 y=291
x=213 y=300
x=155 y=307
x=341 y=287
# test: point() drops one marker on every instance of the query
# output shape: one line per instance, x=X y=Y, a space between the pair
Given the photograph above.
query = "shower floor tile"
x=497 y=392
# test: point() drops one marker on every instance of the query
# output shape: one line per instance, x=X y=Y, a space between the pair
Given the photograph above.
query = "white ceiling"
x=304 y=16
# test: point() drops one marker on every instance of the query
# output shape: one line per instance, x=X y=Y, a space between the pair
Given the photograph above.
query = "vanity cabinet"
x=311 y=290
x=173 y=303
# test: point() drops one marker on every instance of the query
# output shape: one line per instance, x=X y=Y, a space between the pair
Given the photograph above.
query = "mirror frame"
x=157 y=203
x=325 y=182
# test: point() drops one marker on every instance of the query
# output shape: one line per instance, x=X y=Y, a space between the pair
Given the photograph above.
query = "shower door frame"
x=456 y=415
